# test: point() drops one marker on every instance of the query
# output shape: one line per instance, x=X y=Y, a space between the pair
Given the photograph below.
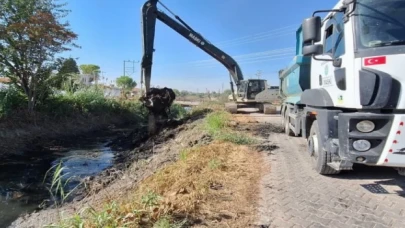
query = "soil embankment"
x=22 y=186
x=19 y=135
x=130 y=166
x=182 y=175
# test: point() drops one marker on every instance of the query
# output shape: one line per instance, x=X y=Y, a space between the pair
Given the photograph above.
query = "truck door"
x=323 y=73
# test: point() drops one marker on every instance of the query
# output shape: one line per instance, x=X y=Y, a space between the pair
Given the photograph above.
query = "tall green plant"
x=57 y=188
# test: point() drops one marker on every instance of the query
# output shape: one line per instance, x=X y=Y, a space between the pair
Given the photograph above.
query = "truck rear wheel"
x=320 y=158
x=286 y=122
x=282 y=115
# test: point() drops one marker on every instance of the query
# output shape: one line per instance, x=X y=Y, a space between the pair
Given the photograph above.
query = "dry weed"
x=213 y=184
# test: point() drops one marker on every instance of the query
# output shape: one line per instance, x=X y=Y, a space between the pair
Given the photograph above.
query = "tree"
x=31 y=34
x=184 y=93
x=69 y=66
x=68 y=69
x=91 y=69
x=126 y=83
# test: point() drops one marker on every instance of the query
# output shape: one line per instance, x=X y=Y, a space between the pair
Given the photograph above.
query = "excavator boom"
x=150 y=13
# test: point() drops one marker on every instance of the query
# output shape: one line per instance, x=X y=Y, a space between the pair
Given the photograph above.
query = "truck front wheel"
x=320 y=158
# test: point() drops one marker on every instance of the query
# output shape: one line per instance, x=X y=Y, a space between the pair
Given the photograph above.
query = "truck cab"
x=350 y=104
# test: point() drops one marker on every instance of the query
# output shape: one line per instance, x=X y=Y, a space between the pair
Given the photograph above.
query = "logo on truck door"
x=325 y=80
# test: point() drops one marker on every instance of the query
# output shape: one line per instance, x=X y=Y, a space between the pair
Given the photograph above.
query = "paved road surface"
x=293 y=195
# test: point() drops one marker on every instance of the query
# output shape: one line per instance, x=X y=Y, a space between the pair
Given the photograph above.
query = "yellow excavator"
x=251 y=93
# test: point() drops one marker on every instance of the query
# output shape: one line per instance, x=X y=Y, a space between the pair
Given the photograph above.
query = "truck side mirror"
x=311 y=29
x=348 y=2
x=309 y=50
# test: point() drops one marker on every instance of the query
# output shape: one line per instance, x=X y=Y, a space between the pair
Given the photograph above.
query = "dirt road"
x=293 y=195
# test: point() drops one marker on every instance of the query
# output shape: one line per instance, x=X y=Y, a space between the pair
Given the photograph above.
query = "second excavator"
x=249 y=93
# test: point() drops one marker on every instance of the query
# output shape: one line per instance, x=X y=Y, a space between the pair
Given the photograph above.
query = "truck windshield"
x=380 y=23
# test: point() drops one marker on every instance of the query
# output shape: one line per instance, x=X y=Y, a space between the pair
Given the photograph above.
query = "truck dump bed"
x=297 y=76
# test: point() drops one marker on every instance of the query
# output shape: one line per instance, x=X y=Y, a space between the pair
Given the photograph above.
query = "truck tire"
x=282 y=115
x=287 y=129
x=320 y=158
x=269 y=109
x=260 y=107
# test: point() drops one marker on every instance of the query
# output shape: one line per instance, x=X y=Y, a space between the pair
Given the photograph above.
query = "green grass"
x=217 y=125
x=237 y=138
x=217 y=121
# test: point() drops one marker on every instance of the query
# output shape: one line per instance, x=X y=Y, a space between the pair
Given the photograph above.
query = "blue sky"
x=259 y=33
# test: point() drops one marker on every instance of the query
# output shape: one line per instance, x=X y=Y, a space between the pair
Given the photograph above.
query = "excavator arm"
x=150 y=13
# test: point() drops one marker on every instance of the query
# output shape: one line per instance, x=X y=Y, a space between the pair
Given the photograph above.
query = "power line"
x=254 y=54
x=241 y=61
x=248 y=37
x=257 y=38
x=249 y=56
x=250 y=62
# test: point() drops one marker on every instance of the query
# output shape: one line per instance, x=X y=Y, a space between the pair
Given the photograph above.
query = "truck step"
x=341 y=165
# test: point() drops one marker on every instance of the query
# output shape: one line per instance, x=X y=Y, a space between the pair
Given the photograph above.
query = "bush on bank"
x=87 y=101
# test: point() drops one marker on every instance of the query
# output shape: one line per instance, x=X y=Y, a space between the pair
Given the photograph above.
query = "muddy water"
x=21 y=177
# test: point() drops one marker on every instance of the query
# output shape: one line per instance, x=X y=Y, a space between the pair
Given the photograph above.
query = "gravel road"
x=293 y=195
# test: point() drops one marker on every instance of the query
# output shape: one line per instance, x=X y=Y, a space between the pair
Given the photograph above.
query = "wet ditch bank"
x=23 y=188
x=96 y=161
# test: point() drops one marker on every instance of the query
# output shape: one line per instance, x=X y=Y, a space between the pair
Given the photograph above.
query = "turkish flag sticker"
x=375 y=61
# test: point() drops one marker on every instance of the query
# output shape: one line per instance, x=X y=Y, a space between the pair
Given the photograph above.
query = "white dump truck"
x=344 y=91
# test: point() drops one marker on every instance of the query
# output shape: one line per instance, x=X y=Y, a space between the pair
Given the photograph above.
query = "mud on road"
x=293 y=195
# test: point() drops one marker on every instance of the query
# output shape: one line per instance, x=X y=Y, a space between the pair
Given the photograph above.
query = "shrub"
x=11 y=99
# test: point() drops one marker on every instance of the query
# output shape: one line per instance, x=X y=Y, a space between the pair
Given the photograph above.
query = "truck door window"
x=339 y=43
x=334 y=43
x=329 y=39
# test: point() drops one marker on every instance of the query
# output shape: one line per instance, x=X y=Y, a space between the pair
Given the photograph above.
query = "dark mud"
x=23 y=188
x=261 y=131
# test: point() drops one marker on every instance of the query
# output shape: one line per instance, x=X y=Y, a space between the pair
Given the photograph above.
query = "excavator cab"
x=255 y=86
x=248 y=89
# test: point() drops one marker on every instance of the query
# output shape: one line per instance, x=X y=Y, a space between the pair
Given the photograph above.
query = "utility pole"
x=258 y=74
x=129 y=67
x=102 y=76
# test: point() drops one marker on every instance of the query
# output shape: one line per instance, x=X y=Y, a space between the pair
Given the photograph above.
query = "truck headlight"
x=361 y=145
x=365 y=126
